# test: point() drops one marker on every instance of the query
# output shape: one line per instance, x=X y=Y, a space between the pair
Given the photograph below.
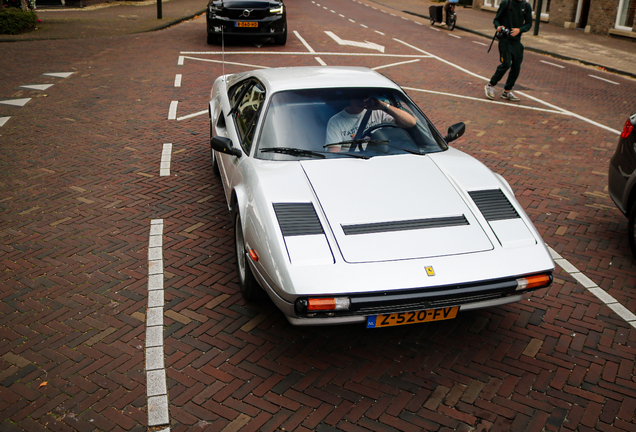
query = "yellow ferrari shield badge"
x=430 y=271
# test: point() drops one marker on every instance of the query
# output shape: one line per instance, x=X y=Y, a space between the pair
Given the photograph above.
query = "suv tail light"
x=629 y=126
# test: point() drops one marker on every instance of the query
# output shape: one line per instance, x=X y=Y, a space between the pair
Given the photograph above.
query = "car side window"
x=247 y=101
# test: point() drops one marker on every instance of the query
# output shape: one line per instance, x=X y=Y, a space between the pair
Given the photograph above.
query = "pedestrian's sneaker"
x=509 y=96
x=490 y=91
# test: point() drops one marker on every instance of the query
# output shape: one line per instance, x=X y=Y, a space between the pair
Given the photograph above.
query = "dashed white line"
x=177 y=80
x=156 y=389
x=455 y=36
x=480 y=43
x=603 y=79
x=588 y=284
x=552 y=64
x=379 y=32
x=3 y=120
x=166 y=154
x=172 y=111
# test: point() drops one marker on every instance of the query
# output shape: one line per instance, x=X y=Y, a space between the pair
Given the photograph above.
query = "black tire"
x=631 y=228
x=249 y=287
x=451 y=24
x=213 y=39
x=282 y=39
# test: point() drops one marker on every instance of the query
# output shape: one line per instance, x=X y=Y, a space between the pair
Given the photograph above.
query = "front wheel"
x=451 y=23
x=282 y=39
x=249 y=287
x=631 y=228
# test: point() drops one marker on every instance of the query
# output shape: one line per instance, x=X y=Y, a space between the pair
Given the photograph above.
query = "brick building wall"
x=562 y=11
x=602 y=15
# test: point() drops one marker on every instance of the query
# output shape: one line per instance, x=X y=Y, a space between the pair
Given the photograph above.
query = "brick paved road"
x=80 y=183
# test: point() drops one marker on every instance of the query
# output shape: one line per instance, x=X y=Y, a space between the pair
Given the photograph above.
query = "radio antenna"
x=223 y=44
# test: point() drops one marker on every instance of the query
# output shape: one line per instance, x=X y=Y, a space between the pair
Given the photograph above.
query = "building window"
x=625 y=15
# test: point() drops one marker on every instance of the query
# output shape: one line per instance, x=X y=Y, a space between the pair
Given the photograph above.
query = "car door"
x=246 y=100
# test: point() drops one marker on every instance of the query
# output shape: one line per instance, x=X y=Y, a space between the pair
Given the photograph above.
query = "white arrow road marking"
x=15 y=102
x=365 y=44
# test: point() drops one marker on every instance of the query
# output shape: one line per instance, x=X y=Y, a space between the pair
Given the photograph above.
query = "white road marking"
x=15 y=102
x=196 y=114
x=365 y=44
x=362 y=25
x=311 y=50
x=156 y=389
x=312 y=53
x=59 y=74
x=603 y=79
x=395 y=64
x=507 y=104
x=480 y=43
x=166 y=154
x=3 y=120
x=180 y=61
x=37 y=86
x=227 y=62
x=588 y=284
x=379 y=32
x=319 y=60
x=172 y=111
x=455 y=36
x=435 y=28
x=580 y=117
x=552 y=64
x=177 y=80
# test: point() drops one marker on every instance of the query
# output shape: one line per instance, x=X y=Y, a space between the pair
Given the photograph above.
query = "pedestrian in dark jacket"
x=515 y=17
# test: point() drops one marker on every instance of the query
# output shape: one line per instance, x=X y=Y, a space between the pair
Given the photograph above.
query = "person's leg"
x=516 y=52
x=504 y=63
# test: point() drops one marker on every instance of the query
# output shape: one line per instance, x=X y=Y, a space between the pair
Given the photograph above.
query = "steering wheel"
x=379 y=126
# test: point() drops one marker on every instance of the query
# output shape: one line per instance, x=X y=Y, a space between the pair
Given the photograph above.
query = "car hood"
x=394 y=208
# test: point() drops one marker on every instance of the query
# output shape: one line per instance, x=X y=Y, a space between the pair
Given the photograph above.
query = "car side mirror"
x=224 y=145
x=455 y=131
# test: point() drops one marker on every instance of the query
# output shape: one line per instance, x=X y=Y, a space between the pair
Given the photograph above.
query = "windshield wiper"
x=308 y=153
x=373 y=142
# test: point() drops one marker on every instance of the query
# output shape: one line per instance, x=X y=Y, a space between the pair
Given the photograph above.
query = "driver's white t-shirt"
x=343 y=126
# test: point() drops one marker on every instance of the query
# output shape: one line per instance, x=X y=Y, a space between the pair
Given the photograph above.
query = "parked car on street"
x=388 y=226
x=247 y=18
x=622 y=178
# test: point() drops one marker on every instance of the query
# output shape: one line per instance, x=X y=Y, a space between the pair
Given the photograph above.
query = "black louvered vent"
x=407 y=225
x=494 y=205
x=297 y=219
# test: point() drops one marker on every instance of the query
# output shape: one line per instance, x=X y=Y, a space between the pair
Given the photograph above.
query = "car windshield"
x=302 y=124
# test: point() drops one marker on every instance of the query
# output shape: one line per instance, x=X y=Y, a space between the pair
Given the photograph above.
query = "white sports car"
x=349 y=206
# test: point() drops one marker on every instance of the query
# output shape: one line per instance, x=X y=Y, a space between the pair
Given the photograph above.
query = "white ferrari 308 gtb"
x=349 y=206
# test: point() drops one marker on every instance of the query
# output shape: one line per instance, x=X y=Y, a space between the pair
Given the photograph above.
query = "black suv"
x=248 y=18
x=622 y=178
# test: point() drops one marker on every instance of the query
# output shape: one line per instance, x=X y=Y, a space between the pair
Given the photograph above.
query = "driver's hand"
x=372 y=104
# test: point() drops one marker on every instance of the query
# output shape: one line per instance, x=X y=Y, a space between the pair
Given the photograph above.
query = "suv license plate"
x=404 y=318
x=246 y=24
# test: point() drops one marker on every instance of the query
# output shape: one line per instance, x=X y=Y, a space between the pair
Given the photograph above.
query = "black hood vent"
x=407 y=225
x=494 y=205
x=297 y=219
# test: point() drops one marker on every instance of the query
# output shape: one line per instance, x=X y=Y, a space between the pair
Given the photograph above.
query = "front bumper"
x=267 y=27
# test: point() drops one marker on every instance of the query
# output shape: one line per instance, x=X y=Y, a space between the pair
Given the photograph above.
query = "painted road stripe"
x=177 y=80
x=15 y=102
x=196 y=114
x=37 y=86
x=480 y=43
x=588 y=284
x=3 y=120
x=580 y=117
x=396 y=64
x=304 y=42
x=156 y=388
x=603 y=79
x=166 y=154
x=172 y=111
x=552 y=64
x=59 y=74
x=312 y=52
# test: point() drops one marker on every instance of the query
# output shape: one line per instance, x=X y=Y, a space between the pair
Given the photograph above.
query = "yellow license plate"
x=414 y=317
x=246 y=24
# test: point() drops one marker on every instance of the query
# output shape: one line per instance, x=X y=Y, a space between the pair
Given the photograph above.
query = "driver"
x=344 y=125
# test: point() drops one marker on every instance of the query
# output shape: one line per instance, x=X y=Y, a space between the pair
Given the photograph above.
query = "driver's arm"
x=402 y=118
